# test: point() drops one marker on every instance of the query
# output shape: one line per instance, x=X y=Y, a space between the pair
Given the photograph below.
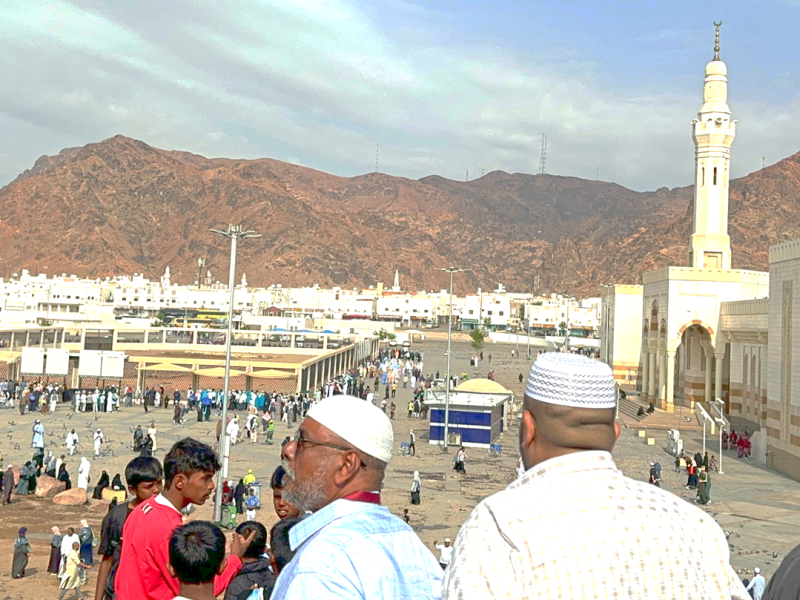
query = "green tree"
x=562 y=328
x=487 y=323
x=160 y=320
x=385 y=335
x=477 y=338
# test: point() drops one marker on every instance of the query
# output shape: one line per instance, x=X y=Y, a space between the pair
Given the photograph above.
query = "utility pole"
x=450 y=270
x=234 y=233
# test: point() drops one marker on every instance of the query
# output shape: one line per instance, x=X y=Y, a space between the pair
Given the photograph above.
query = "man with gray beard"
x=350 y=547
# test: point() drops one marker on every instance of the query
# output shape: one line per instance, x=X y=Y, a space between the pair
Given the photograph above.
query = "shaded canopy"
x=165 y=367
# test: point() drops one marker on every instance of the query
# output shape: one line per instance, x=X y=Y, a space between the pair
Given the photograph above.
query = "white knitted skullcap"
x=571 y=380
x=359 y=423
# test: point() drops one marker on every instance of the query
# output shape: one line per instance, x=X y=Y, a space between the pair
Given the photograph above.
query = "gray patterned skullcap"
x=571 y=380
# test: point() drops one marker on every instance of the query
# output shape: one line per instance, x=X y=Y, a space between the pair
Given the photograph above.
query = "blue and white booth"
x=480 y=410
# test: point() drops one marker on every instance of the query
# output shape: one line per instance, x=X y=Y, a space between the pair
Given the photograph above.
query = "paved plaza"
x=758 y=507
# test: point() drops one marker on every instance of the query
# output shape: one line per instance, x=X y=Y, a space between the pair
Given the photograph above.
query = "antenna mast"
x=377 y=156
x=543 y=156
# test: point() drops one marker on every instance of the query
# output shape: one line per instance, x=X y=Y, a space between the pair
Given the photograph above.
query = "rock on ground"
x=47 y=487
x=74 y=497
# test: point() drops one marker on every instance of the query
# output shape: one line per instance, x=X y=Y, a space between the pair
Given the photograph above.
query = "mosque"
x=690 y=334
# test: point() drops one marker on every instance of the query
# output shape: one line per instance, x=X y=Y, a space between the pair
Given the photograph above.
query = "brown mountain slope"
x=121 y=206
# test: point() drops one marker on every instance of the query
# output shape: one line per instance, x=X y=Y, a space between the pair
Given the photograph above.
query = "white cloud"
x=316 y=81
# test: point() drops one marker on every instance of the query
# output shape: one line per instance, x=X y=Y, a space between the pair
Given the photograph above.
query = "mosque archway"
x=694 y=364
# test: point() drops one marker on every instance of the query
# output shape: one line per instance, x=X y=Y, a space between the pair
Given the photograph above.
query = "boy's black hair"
x=187 y=457
x=143 y=469
x=259 y=544
x=279 y=541
x=196 y=550
x=278 y=479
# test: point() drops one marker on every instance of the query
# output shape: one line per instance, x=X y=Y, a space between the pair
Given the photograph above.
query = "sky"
x=448 y=87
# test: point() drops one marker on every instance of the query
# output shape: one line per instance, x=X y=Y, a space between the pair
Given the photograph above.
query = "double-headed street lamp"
x=234 y=233
x=450 y=270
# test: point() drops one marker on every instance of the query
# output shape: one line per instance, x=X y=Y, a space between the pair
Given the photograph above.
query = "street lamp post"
x=234 y=233
x=528 y=320
x=450 y=270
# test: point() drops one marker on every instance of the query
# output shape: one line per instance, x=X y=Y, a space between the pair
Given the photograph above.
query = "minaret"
x=396 y=286
x=713 y=133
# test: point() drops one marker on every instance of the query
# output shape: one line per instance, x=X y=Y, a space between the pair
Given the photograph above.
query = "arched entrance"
x=694 y=364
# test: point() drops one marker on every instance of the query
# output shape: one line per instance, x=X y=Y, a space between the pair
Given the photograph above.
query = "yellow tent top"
x=217 y=372
x=482 y=386
x=165 y=367
x=270 y=374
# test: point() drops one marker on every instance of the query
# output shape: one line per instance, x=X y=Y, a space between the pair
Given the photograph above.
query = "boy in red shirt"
x=145 y=478
x=189 y=470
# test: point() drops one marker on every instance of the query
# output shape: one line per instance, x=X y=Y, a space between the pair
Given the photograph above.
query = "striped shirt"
x=352 y=549
x=575 y=527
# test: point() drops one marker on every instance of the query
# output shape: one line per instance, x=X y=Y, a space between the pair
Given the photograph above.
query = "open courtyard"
x=758 y=507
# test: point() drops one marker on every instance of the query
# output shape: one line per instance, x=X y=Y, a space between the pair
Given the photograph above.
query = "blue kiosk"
x=480 y=410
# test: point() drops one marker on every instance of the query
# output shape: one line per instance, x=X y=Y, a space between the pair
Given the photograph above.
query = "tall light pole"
x=450 y=270
x=528 y=317
x=569 y=298
x=234 y=233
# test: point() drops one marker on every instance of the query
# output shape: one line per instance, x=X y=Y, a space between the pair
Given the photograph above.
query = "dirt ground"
x=447 y=498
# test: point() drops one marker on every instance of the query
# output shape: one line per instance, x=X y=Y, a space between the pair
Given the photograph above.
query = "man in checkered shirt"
x=573 y=526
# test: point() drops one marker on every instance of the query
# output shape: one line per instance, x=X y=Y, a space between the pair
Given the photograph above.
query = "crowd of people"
x=554 y=532
x=738 y=442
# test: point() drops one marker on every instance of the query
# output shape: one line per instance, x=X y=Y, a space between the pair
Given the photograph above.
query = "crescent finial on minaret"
x=716 y=40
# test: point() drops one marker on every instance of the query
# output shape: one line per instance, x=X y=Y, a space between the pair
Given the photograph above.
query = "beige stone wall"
x=782 y=420
x=620 y=332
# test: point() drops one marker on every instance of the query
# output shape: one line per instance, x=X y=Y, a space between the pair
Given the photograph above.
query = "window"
x=501 y=313
x=703 y=176
x=470 y=311
x=715 y=176
x=489 y=312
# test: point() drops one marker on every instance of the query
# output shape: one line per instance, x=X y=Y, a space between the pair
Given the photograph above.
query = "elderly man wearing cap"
x=573 y=526
x=350 y=547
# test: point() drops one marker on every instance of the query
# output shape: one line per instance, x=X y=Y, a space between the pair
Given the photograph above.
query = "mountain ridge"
x=121 y=205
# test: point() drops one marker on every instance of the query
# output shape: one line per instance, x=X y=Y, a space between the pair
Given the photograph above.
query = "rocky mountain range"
x=122 y=206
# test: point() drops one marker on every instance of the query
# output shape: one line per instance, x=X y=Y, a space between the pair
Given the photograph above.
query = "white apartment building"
x=476 y=308
x=411 y=309
x=546 y=314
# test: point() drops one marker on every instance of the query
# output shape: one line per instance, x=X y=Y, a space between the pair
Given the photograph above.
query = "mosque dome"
x=482 y=386
x=716 y=67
